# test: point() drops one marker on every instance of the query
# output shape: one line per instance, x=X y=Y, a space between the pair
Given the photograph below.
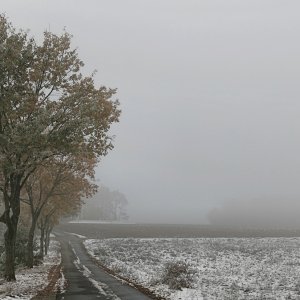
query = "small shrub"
x=178 y=275
x=37 y=260
x=100 y=252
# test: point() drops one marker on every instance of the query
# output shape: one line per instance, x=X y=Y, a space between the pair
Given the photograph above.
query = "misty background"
x=209 y=89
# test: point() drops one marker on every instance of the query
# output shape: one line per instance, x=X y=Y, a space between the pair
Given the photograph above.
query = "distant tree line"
x=54 y=127
x=105 y=205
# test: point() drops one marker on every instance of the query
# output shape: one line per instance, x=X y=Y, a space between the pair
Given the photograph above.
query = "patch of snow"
x=189 y=294
x=86 y=271
x=16 y=297
x=77 y=262
x=98 y=286
x=104 y=289
x=78 y=235
x=61 y=282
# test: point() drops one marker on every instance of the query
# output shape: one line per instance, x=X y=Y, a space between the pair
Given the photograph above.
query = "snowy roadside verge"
x=42 y=279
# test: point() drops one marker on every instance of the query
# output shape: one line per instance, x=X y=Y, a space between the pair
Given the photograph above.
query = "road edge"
x=125 y=280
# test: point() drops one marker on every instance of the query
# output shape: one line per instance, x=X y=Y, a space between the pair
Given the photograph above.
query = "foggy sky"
x=209 y=92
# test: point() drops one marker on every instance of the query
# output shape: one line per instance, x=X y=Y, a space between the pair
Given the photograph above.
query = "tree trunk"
x=42 y=238
x=11 y=218
x=46 y=245
x=10 y=244
x=47 y=239
x=29 y=250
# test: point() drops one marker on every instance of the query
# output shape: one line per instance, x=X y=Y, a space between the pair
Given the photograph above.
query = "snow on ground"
x=78 y=235
x=226 y=268
x=30 y=281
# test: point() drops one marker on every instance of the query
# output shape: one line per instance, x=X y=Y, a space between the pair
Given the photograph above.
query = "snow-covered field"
x=30 y=281
x=222 y=268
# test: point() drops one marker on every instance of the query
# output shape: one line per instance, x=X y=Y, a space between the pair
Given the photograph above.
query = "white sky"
x=209 y=91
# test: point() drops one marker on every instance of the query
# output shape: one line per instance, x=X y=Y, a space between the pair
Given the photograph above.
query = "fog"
x=209 y=92
x=267 y=213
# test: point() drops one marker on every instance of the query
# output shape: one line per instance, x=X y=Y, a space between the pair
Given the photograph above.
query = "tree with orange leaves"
x=48 y=109
x=58 y=186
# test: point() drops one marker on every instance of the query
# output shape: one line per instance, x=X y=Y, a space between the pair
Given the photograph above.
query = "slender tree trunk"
x=42 y=238
x=47 y=240
x=46 y=245
x=49 y=233
x=10 y=244
x=11 y=218
x=29 y=250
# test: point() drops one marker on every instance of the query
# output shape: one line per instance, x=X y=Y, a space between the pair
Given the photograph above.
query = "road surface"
x=86 y=280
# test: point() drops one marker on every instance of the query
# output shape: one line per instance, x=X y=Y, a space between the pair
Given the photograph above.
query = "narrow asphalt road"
x=86 y=280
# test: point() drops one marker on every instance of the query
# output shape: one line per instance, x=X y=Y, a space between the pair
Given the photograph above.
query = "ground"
x=246 y=265
x=42 y=279
x=275 y=261
x=85 y=279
